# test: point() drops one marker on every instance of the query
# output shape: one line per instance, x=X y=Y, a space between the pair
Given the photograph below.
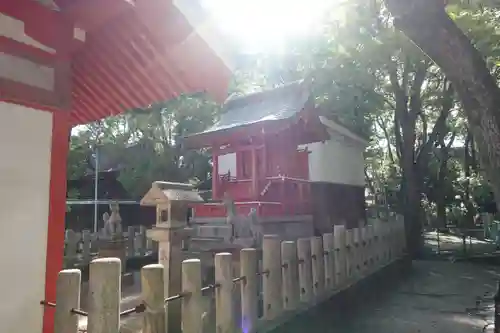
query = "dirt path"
x=439 y=297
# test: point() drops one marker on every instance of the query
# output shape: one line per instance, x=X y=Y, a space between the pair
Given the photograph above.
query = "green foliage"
x=146 y=143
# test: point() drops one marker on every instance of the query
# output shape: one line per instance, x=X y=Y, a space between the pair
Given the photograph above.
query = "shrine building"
x=273 y=151
x=70 y=62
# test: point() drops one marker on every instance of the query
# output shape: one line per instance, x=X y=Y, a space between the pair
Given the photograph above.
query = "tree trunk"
x=441 y=194
x=470 y=211
x=413 y=212
x=426 y=23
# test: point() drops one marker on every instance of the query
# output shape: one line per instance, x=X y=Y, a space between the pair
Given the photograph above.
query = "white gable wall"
x=339 y=160
x=334 y=162
x=227 y=163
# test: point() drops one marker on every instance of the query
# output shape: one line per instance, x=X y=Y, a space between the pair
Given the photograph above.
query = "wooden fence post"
x=363 y=249
x=130 y=241
x=192 y=302
x=377 y=238
x=383 y=243
x=401 y=222
x=249 y=300
x=356 y=254
x=86 y=244
x=290 y=275
x=104 y=295
x=348 y=255
x=339 y=234
x=271 y=265
x=370 y=249
x=152 y=295
x=390 y=241
x=318 y=266
x=224 y=309
x=329 y=261
x=305 y=270
x=67 y=298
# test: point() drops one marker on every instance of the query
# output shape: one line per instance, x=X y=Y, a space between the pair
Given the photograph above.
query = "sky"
x=265 y=25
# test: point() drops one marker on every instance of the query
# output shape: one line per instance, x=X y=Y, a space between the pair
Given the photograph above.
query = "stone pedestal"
x=116 y=248
x=170 y=238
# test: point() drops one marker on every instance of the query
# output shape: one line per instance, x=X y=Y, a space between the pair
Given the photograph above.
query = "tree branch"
x=369 y=181
x=383 y=126
x=439 y=126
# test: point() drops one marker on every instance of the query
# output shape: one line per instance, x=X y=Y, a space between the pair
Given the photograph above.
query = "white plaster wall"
x=25 y=142
x=337 y=161
x=227 y=163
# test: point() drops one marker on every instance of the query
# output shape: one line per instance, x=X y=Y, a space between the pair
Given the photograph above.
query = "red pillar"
x=215 y=175
x=57 y=211
x=255 y=174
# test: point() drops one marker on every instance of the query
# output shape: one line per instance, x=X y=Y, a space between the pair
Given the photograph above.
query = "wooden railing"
x=294 y=277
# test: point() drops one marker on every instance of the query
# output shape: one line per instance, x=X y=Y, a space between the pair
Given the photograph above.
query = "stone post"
x=290 y=275
x=356 y=253
x=67 y=298
x=249 y=286
x=170 y=257
x=329 y=261
x=339 y=256
x=152 y=294
x=142 y=240
x=104 y=296
x=71 y=248
x=305 y=270
x=348 y=245
x=224 y=307
x=86 y=245
x=130 y=241
x=318 y=266
x=192 y=305
x=271 y=276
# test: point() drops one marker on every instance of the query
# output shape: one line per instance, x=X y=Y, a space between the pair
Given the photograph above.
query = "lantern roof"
x=166 y=192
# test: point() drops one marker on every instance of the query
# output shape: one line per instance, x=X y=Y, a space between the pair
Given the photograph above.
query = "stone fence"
x=82 y=247
x=292 y=277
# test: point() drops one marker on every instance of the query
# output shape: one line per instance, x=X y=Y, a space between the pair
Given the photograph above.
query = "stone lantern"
x=171 y=230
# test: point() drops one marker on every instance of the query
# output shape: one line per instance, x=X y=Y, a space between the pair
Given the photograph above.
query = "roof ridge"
x=238 y=100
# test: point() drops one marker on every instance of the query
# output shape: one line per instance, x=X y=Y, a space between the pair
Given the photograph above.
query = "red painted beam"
x=27 y=52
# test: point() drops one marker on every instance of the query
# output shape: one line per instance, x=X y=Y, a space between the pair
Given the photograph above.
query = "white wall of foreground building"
x=25 y=152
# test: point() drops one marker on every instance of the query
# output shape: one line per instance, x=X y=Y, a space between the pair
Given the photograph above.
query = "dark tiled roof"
x=274 y=104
